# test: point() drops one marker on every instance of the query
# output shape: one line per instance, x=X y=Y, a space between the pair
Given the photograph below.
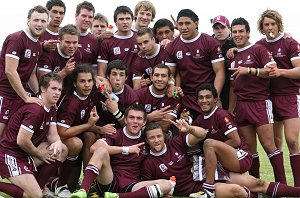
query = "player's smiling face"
x=160 y=79
x=155 y=139
x=37 y=23
x=143 y=18
x=240 y=35
x=206 y=101
x=84 y=84
x=134 y=122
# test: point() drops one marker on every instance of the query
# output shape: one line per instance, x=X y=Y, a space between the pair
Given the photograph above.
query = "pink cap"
x=222 y=20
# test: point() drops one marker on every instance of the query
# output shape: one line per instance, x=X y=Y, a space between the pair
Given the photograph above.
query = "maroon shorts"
x=8 y=107
x=245 y=159
x=11 y=165
x=254 y=113
x=286 y=107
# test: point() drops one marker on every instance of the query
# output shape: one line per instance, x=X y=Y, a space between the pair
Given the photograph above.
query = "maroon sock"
x=142 y=192
x=254 y=170
x=52 y=183
x=276 y=159
x=46 y=172
x=282 y=190
x=68 y=164
x=11 y=189
x=90 y=174
x=295 y=164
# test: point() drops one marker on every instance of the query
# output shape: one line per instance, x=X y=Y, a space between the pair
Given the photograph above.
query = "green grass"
x=266 y=171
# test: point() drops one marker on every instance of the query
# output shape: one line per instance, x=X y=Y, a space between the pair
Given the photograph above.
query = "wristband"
x=257 y=72
x=249 y=70
x=118 y=115
x=125 y=150
x=171 y=82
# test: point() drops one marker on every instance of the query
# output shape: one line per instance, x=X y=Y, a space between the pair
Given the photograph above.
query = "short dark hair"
x=39 y=9
x=85 y=5
x=162 y=66
x=136 y=107
x=207 y=86
x=145 y=30
x=123 y=10
x=52 y=3
x=118 y=64
x=45 y=80
x=162 y=23
x=241 y=21
x=188 y=13
x=68 y=29
x=151 y=126
x=81 y=69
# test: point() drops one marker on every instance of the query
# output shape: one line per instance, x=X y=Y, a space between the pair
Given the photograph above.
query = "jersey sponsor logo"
x=149 y=71
x=27 y=53
x=79 y=45
x=30 y=126
x=126 y=49
x=179 y=55
x=56 y=69
x=232 y=65
x=42 y=125
x=6 y=112
x=82 y=114
x=46 y=66
x=163 y=168
x=26 y=168
x=117 y=50
x=240 y=62
x=188 y=53
x=33 y=54
x=147 y=108
x=62 y=121
x=14 y=52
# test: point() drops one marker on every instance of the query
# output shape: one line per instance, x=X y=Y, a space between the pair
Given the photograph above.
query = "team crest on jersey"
x=27 y=53
x=117 y=50
x=179 y=55
x=232 y=65
x=147 y=108
x=163 y=168
x=14 y=52
x=82 y=113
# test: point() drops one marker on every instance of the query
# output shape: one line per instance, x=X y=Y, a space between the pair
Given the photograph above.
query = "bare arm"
x=234 y=139
x=219 y=69
x=102 y=69
x=293 y=73
x=33 y=81
x=232 y=99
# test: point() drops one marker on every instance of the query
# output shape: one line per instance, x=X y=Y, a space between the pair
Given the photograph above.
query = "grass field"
x=266 y=171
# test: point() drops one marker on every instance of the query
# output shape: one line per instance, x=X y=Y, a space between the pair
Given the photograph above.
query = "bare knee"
x=238 y=191
x=89 y=138
x=34 y=193
x=208 y=144
x=293 y=145
x=165 y=186
x=100 y=157
x=74 y=146
x=64 y=153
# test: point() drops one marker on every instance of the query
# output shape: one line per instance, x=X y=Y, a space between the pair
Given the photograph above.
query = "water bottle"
x=173 y=183
x=112 y=96
x=110 y=28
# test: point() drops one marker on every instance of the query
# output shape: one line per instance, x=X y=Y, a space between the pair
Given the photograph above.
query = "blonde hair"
x=272 y=14
x=146 y=5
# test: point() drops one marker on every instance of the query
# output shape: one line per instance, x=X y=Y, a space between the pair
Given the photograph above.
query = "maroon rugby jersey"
x=172 y=161
x=74 y=110
x=152 y=101
x=283 y=52
x=26 y=49
x=33 y=118
x=126 y=168
x=218 y=124
x=250 y=87
x=48 y=35
x=126 y=97
x=89 y=47
x=144 y=65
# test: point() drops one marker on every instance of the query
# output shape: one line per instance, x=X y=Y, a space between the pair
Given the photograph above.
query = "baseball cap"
x=221 y=19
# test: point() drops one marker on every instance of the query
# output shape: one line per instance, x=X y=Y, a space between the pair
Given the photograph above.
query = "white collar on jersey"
x=46 y=109
x=155 y=54
x=163 y=151
x=131 y=136
x=84 y=33
x=245 y=48
x=60 y=52
x=154 y=94
x=52 y=33
x=211 y=113
x=124 y=37
x=30 y=37
x=192 y=40
x=275 y=39
x=121 y=91
x=80 y=98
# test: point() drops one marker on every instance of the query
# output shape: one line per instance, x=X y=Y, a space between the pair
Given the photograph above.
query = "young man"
x=222 y=143
x=194 y=53
x=284 y=89
x=251 y=67
x=170 y=158
x=221 y=29
x=144 y=13
x=74 y=122
x=163 y=29
x=49 y=38
x=122 y=45
x=159 y=107
x=19 y=56
x=99 y=27
x=116 y=161
x=63 y=59
x=153 y=54
x=112 y=111
x=30 y=140
x=88 y=44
